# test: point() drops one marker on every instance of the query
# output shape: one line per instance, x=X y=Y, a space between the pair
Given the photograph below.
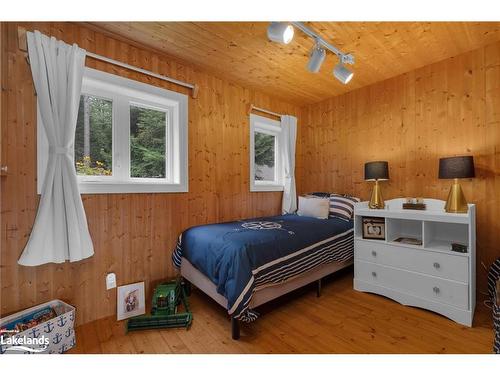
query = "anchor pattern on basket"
x=61 y=321
x=68 y=332
x=35 y=332
x=49 y=327
x=57 y=338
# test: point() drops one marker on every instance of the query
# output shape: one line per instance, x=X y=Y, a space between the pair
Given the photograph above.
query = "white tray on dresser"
x=429 y=276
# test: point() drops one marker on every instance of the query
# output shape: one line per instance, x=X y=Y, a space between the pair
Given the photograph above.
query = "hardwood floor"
x=340 y=321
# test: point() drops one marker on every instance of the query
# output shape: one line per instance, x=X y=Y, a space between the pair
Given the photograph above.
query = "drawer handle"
x=374 y=253
x=374 y=274
x=437 y=265
x=435 y=290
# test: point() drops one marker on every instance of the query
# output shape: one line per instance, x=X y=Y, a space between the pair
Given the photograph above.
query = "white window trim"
x=268 y=126
x=124 y=92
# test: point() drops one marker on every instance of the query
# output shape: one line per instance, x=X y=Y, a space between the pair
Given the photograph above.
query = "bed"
x=244 y=264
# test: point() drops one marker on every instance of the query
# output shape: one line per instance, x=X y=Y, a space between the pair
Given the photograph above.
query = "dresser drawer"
x=448 y=266
x=423 y=286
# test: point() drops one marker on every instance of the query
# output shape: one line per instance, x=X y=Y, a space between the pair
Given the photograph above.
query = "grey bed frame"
x=263 y=294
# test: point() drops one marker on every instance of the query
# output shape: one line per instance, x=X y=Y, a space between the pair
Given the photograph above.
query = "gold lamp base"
x=376 y=200
x=456 y=202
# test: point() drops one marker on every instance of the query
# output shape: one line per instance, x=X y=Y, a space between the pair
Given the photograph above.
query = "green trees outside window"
x=147 y=142
x=264 y=145
x=93 y=137
x=94 y=142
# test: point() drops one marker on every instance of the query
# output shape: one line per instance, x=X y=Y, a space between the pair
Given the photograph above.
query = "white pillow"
x=314 y=207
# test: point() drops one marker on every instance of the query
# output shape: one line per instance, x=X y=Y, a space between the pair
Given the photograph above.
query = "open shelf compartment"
x=440 y=235
x=358 y=227
x=404 y=228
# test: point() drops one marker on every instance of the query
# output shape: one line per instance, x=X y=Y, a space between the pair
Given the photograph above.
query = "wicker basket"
x=494 y=292
x=496 y=318
x=496 y=327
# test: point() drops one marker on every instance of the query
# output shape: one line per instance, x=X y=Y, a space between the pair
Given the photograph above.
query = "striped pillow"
x=342 y=206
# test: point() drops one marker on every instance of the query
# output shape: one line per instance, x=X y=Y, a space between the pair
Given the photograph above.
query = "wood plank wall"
x=444 y=109
x=133 y=234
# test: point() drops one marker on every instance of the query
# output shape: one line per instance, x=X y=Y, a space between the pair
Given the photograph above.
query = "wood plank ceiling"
x=241 y=52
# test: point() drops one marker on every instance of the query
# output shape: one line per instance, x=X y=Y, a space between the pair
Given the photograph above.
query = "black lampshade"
x=377 y=170
x=456 y=167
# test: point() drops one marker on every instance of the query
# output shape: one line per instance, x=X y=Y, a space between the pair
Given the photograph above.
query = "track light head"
x=316 y=58
x=280 y=32
x=343 y=74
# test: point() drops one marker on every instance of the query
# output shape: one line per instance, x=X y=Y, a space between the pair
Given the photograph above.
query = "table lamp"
x=376 y=171
x=456 y=167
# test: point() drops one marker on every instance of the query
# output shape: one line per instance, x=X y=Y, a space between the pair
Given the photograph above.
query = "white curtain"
x=289 y=132
x=60 y=231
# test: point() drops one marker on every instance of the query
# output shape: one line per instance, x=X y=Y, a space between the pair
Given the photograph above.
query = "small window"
x=130 y=137
x=265 y=154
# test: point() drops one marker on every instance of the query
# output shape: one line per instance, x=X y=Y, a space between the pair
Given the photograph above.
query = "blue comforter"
x=240 y=256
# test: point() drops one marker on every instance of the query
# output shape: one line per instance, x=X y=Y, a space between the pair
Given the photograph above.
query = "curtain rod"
x=254 y=108
x=23 y=46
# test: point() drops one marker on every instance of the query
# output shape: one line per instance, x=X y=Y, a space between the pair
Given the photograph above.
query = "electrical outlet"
x=110 y=281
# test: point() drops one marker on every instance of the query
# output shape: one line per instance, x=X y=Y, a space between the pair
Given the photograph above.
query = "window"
x=130 y=137
x=265 y=154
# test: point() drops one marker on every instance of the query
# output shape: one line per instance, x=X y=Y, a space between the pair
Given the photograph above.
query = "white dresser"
x=430 y=275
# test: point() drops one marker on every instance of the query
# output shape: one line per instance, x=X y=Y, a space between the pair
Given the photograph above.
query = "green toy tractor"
x=167 y=298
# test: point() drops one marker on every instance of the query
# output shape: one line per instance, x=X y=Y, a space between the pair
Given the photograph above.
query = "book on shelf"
x=409 y=241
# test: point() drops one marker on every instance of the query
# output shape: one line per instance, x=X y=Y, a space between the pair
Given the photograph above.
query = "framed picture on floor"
x=130 y=301
x=374 y=228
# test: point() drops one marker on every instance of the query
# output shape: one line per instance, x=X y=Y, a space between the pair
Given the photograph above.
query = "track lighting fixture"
x=280 y=32
x=316 y=58
x=343 y=74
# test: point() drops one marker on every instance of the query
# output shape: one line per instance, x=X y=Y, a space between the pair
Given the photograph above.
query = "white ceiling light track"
x=282 y=32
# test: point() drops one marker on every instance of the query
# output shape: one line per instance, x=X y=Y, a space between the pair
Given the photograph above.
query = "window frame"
x=265 y=125
x=124 y=93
